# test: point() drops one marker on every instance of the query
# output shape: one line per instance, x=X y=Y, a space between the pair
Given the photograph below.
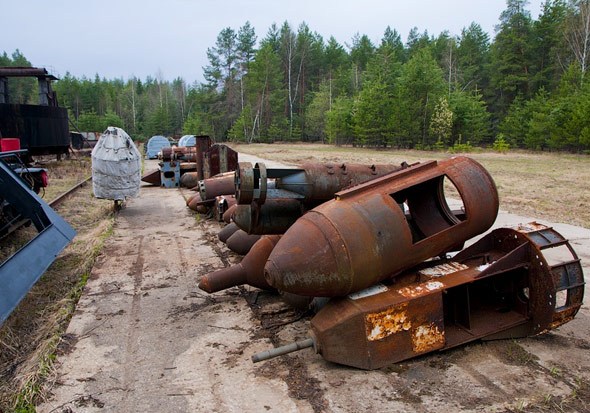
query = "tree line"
x=525 y=88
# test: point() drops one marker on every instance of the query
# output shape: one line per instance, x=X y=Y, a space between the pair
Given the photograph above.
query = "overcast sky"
x=124 y=38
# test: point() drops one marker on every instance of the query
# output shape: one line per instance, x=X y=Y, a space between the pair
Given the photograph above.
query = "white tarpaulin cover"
x=116 y=166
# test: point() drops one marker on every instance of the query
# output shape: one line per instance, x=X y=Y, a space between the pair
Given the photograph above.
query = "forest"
x=524 y=88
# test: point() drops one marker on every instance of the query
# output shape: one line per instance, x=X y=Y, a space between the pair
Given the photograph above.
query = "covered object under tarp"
x=116 y=166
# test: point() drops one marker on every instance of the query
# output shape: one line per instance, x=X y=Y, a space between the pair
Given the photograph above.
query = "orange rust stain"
x=427 y=337
x=385 y=323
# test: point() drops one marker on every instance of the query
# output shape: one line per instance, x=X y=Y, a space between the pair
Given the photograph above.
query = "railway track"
x=69 y=192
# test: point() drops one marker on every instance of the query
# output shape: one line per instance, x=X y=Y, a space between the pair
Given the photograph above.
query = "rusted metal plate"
x=217 y=159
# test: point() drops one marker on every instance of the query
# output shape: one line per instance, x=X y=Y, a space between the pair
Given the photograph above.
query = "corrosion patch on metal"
x=530 y=227
x=427 y=338
x=385 y=323
x=443 y=269
x=412 y=292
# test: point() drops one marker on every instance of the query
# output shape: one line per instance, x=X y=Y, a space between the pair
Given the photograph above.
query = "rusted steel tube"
x=222 y=184
x=365 y=234
x=184 y=153
x=249 y=271
x=240 y=242
x=293 y=191
x=281 y=351
x=312 y=183
x=275 y=216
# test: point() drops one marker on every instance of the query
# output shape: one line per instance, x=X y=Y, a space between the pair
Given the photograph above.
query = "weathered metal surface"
x=182 y=153
x=221 y=184
x=203 y=143
x=228 y=215
x=222 y=204
x=382 y=227
x=217 y=159
x=240 y=242
x=297 y=190
x=503 y=286
x=197 y=204
x=170 y=174
x=227 y=232
x=313 y=183
x=189 y=179
x=152 y=177
x=42 y=128
x=275 y=216
x=249 y=271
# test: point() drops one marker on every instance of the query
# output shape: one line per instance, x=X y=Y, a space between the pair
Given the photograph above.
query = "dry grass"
x=30 y=336
x=548 y=186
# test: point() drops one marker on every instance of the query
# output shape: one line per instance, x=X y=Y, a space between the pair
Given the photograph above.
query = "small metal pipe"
x=281 y=351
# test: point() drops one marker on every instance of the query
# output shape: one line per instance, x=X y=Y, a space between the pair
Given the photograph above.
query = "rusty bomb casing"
x=382 y=227
x=189 y=179
x=514 y=282
x=227 y=232
x=271 y=200
x=240 y=242
x=249 y=271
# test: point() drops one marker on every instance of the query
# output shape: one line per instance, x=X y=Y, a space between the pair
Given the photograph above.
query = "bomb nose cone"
x=305 y=261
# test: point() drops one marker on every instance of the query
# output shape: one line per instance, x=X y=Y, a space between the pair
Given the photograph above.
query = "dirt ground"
x=144 y=338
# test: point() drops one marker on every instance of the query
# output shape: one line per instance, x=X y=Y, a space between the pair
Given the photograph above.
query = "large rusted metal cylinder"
x=184 y=153
x=319 y=182
x=271 y=200
x=222 y=184
x=384 y=226
x=275 y=216
x=249 y=271
x=312 y=183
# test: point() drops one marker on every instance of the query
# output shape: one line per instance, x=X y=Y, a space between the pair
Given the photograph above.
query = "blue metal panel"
x=170 y=174
x=19 y=272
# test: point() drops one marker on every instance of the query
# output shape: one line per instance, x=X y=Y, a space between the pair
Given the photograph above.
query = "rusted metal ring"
x=244 y=180
x=263 y=183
